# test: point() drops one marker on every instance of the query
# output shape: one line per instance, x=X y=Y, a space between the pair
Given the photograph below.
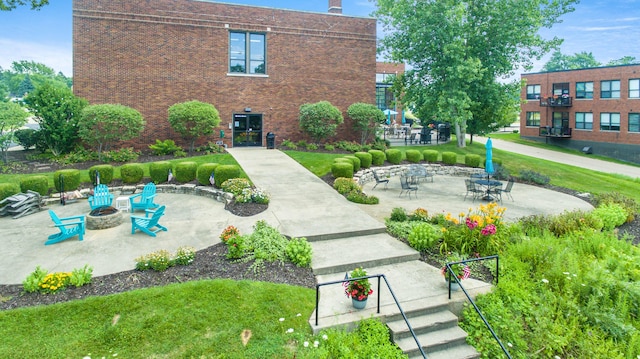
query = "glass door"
x=247 y=129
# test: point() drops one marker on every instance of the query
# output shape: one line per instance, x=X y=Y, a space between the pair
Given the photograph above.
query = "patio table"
x=490 y=186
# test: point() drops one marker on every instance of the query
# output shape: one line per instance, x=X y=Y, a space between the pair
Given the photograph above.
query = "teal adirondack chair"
x=144 y=200
x=146 y=224
x=68 y=226
x=101 y=197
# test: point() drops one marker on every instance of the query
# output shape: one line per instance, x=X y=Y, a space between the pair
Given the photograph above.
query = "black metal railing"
x=404 y=316
x=548 y=131
x=453 y=275
x=560 y=101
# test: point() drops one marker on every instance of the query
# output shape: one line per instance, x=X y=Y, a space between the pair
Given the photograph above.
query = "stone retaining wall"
x=366 y=175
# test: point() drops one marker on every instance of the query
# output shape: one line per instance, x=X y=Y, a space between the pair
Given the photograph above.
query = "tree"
x=626 y=60
x=320 y=120
x=57 y=111
x=25 y=86
x=193 y=119
x=12 y=117
x=102 y=125
x=366 y=118
x=457 y=50
x=8 y=5
x=581 y=60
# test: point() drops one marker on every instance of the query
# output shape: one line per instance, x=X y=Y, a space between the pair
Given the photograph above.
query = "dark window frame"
x=533 y=94
x=607 y=90
x=531 y=120
x=248 y=60
x=583 y=92
x=581 y=121
x=609 y=125
x=635 y=124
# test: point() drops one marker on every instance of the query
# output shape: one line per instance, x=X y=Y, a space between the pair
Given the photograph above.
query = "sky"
x=607 y=29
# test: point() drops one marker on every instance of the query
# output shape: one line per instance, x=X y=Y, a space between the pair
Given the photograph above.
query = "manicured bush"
x=71 y=178
x=430 y=156
x=377 y=157
x=235 y=185
x=472 y=160
x=413 y=156
x=186 y=171
x=398 y=214
x=38 y=184
x=204 y=173
x=106 y=173
x=159 y=171
x=365 y=159
x=8 y=190
x=131 y=173
x=449 y=158
x=299 y=252
x=225 y=172
x=345 y=185
x=342 y=169
x=394 y=156
x=356 y=162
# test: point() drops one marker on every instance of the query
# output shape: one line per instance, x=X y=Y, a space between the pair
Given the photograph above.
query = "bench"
x=101 y=197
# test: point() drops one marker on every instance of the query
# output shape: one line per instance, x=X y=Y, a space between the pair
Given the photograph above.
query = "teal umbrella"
x=488 y=166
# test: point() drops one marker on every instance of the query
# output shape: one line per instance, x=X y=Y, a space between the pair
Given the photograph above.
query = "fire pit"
x=103 y=218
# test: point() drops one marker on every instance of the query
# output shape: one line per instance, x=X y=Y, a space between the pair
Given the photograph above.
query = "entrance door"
x=247 y=129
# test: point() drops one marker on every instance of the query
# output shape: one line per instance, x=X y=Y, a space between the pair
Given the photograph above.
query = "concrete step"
x=426 y=323
x=431 y=342
x=344 y=254
x=460 y=352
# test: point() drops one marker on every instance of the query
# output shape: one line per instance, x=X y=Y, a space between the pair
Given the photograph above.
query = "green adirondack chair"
x=146 y=224
x=101 y=197
x=144 y=199
x=68 y=226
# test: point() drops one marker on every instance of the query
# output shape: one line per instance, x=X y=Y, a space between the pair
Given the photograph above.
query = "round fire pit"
x=103 y=218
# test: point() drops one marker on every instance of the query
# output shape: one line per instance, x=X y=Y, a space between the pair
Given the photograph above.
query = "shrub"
x=26 y=137
x=81 y=276
x=158 y=260
x=612 y=214
x=71 y=179
x=204 y=172
x=356 y=162
x=311 y=147
x=120 y=155
x=159 y=171
x=534 y=177
x=42 y=281
x=365 y=159
x=420 y=214
x=166 y=147
x=342 y=169
x=32 y=282
x=106 y=173
x=345 y=185
x=449 y=158
x=413 y=156
x=38 y=184
x=184 y=256
x=329 y=147
x=186 y=171
x=289 y=144
x=394 y=156
x=235 y=185
x=398 y=214
x=299 y=252
x=430 y=156
x=472 y=160
x=348 y=146
x=424 y=237
x=629 y=204
x=574 y=221
x=359 y=197
x=377 y=157
x=225 y=172
x=131 y=173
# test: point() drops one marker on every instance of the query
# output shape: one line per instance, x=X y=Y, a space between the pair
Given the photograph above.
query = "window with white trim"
x=533 y=92
x=610 y=121
x=610 y=89
x=584 y=120
x=247 y=53
x=634 y=88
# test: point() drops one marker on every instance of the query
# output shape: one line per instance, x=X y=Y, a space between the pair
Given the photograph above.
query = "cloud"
x=604 y=28
x=58 y=57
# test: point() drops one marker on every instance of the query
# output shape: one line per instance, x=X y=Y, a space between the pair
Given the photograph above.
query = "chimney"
x=335 y=6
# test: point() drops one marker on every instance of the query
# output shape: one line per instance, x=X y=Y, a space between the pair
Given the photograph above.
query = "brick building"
x=596 y=110
x=256 y=65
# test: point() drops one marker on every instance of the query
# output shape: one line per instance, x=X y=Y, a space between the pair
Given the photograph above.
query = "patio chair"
x=68 y=226
x=407 y=187
x=471 y=188
x=146 y=224
x=379 y=180
x=101 y=197
x=144 y=200
x=506 y=189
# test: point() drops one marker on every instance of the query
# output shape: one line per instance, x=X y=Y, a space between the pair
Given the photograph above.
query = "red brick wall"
x=623 y=105
x=151 y=54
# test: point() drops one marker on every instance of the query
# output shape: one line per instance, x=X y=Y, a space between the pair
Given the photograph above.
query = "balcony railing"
x=560 y=101
x=548 y=131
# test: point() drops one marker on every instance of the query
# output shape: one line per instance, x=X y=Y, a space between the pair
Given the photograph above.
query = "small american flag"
x=170 y=177
x=466 y=272
x=211 y=179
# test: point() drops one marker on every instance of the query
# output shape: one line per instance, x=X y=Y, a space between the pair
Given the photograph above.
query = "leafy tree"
x=12 y=117
x=320 y=120
x=193 y=119
x=581 y=60
x=102 y=125
x=15 y=78
x=366 y=118
x=457 y=51
x=626 y=60
x=57 y=110
x=25 y=86
x=8 y=5
x=32 y=68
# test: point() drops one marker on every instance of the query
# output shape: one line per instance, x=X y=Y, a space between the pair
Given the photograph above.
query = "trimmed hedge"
x=430 y=156
x=394 y=156
x=106 y=173
x=377 y=157
x=38 y=184
x=342 y=169
x=131 y=173
x=8 y=190
x=71 y=178
x=186 y=171
x=449 y=158
x=204 y=172
x=413 y=156
x=472 y=160
x=159 y=171
x=225 y=172
x=356 y=162
x=365 y=159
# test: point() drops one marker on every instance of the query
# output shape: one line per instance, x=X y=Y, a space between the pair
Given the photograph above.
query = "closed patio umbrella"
x=488 y=166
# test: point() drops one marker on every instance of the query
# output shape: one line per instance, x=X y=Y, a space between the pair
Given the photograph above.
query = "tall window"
x=634 y=122
x=584 y=120
x=533 y=92
x=609 y=121
x=610 y=89
x=561 y=89
x=634 y=88
x=247 y=53
x=533 y=118
x=384 y=94
x=584 y=89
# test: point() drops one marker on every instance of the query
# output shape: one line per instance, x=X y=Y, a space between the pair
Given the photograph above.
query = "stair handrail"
x=393 y=295
x=473 y=303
